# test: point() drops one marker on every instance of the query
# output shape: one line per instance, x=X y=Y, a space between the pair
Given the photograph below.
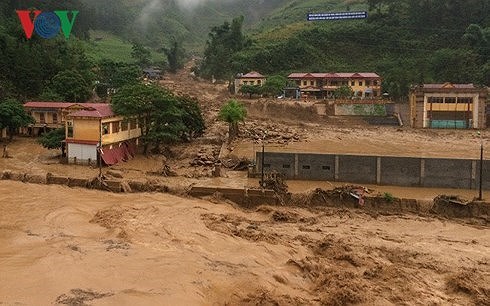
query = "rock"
x=115 y=173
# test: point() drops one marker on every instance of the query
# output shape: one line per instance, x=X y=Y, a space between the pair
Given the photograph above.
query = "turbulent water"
x=75 y=246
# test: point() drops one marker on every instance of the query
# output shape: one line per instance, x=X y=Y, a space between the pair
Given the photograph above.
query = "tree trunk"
x=232 y=131
x=5 y=153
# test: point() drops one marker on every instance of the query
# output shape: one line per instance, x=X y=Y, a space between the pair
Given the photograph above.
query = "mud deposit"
x=68 y=246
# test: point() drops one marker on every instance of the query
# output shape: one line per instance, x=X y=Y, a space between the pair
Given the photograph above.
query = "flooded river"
x=72 y=246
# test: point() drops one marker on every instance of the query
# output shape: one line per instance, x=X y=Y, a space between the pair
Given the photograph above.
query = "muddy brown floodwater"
x=75 y=246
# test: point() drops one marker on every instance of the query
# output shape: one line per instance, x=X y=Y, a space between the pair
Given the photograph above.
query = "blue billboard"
x=337 y=16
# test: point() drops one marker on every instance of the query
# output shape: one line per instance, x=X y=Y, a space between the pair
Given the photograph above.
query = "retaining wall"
x=383 y=170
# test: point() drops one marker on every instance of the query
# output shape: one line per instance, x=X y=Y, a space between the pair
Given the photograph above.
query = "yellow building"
x=96 y=126
x=448 y=106
x=47 y=116
x=251 y=78
x=323 y=85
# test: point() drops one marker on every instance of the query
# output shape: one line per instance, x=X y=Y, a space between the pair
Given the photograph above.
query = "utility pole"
x=480 y=193
x=262 y=183
x=100 y=149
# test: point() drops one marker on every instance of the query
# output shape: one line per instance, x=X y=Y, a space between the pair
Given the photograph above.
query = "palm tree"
x=232 y=112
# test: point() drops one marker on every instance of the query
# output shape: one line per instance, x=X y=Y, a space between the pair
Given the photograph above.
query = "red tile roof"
x=253 y=75
x=48 y=104
x=448 y=86
x=303 y=75
x=94 y=110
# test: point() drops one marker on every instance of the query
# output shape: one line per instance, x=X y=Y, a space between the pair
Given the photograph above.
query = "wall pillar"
x=473 y=183
x=296 y=166
x=422 y=172
x=337 y=163
x=378 y=170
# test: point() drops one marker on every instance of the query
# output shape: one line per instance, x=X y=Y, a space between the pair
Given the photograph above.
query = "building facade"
x=96 y=126
x=457 y=106
x=48 y=116
x=323 y=85
x=251 y=78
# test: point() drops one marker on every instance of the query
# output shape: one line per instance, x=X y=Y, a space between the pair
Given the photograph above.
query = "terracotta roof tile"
x=252 y=75
x=34 y=104
x=94 y=110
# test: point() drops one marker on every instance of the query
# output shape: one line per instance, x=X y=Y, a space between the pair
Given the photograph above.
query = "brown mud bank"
x=339 y=197
x=343 y=197
x=104 y=183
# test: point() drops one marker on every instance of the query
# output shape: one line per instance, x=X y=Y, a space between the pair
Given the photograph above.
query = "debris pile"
x=205 y=158
x=271 y=132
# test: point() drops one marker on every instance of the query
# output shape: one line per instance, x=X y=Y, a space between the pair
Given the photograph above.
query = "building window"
x=298 y=82
x=312 y=83
x=105 y=129
x=360 y=83
x=305 y=83
x=353 y=83
x=326 y=168
x=344 y=83
x=70 y=129
x=450 y=100
x=436 y=99
x=124 y=125
x=468 y=100
x=245 y=82
x=42 y=119
x=368 y=83
x=375 y=83
x=334 y=83
x=55 y=118
x=115 y=127
x=286 y=166
x=259 y=82
x=132 y=124
x=306 y=167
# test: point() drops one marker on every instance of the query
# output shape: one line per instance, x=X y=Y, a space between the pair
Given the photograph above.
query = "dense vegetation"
x=167 y=118
x=405 y=41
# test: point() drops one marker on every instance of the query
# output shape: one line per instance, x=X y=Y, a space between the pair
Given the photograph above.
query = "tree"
x=191 y=117
x=343 y=91
x=141 y=54
x=224 y=41
x=70 y=86
x=251 y=90
x=113 y=75
x=175 y=57
x=274 y=85
x=167 y=118
x=53 y=140
x=13 y=116
x=232 y=112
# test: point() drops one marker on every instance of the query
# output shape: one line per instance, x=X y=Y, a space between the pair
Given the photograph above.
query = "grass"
x=103 y=45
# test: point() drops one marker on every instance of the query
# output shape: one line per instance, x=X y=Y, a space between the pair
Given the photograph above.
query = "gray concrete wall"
x=357 y=169
x=281 y=162
x=402 y=171
x=450 y=173
x=316 y=167
x=384 y=170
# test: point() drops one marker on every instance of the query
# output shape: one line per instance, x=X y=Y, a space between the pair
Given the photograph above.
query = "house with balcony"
x=251 y=78
x=48 y=116
x=447 y=105
x=94 y=126
x=365 y=85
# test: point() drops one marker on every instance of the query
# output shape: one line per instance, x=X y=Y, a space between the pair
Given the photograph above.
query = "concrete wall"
x=384 y=170
x=360 y=109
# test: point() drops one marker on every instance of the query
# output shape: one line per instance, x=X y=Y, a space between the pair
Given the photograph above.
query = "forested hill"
x=405 y=41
